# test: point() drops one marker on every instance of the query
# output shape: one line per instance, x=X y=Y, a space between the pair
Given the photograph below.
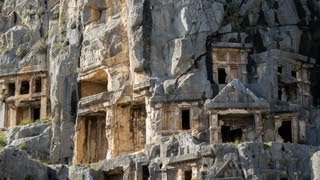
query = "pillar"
x=138 y=172
x=18 y=86
x=302 y=130
x=79 y=140
x=277 y=124
x=180 y=175
x=12 y=115
x=294 y=128
x=258 y=126
x=44 y=99
x=164 y=174
x=31 y=86
x=243 y=65
x=215 y=130
x=194 y=173
x=110 y=133
x=2 y=114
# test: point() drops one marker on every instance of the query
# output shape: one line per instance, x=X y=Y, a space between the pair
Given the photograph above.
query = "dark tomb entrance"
x=229 y=135
x=285 y=131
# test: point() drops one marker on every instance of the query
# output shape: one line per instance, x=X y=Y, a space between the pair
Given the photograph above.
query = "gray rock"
x=315 y=160
x=195 y=84
x=15 y=164
x=183 y=56
x=37 y=145
x=287 y=13
x=32 y=130
x=76 y=172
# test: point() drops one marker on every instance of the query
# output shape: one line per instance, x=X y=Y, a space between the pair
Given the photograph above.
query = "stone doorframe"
x=298 y=126
x=215 y=124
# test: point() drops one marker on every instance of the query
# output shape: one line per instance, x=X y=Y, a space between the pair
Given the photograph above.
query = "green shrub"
x=3 y=140
x=46 y=118
x=266 y=146
x=40 y=46
x=236 y=142
x=22 y=146
x=55 y=14
x=25 y=122
x=29 y=177
x=21 y=52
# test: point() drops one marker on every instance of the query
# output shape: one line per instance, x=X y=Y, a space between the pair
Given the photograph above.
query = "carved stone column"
x=258 y=126
x=277 y=124
x=294 y=128
x=215 y=129
x=138 y=172
x=79 y=140
x=302 y=129
x=44 y=99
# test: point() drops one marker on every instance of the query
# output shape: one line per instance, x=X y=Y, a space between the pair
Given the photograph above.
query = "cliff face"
x=120 y=77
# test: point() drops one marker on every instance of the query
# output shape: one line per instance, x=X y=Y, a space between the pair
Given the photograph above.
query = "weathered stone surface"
x=37 y=145
x=315 y=160
x=183 y=56
x=76 y=172
x=32 y=130
x=15 y=164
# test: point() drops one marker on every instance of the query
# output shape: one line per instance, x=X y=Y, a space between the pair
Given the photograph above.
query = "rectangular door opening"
x=185 y=113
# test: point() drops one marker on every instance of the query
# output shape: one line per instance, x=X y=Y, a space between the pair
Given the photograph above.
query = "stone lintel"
x=143 y=85
x=95 y=99
x=176 y=98
x=182 y=158
x=17 y=71
x=232 y=45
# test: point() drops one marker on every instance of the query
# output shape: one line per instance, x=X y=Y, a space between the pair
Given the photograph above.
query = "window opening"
x=185 y=113
x=25 y=86
x=145 y=171
x=38 y=85
x=230 y=135
x=285 y=131
x=222 y=76
x=294 y=74
x=11 y=89
x=36 y=114
x=280 y=69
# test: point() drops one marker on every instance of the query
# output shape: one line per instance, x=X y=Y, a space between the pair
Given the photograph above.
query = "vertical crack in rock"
x=147 y=32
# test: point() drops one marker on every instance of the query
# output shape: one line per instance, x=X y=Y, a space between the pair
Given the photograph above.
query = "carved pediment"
x=229 y=170
x=236 y=95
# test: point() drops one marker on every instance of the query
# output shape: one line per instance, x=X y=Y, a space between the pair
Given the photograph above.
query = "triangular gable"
x=236 y=95
x=229 y=169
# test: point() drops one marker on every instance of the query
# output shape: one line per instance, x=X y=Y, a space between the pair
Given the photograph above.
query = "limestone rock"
x=32 y=130
x=76 y=172
x=315 y=165
x=15 y=164
x=287 y=13
x=183 y=56
x=195 y=84
x=37 y=145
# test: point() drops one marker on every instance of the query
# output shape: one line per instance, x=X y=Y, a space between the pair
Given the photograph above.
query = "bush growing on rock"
x=25 y=122
x=3 y=140
x=21 y=52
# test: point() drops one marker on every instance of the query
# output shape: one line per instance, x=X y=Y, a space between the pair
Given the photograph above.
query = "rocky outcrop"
x=315 y=165
x=15 y=164
x=35 y=139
